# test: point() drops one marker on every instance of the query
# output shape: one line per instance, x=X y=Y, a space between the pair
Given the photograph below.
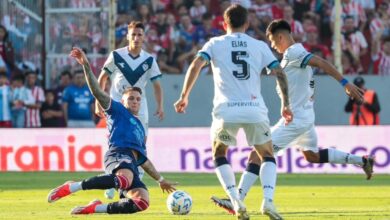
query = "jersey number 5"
x=244 y=73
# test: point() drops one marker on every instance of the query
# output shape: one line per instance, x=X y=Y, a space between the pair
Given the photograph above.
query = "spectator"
x=197 y=11
x=366 y=113
x=218 y=20
x=312 y=43
x=296 y=26
x=350 y=65
x=354 y=10
x=381 y=21
x=381 y=56
x=262 y=8
x=21 y=96
x=353 y=41
x=65 y=81
x=165 y=66
x=205 y=30
x=33 y=119
x=6 y=51
x=78 y=103
x=51 y=112
x=5 y=102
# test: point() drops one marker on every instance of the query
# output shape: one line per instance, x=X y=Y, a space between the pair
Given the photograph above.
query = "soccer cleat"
x=224 y=203
x=59 y=192
x=268 y=208
x=368 y=166
x=85 y=210
x=240 y=210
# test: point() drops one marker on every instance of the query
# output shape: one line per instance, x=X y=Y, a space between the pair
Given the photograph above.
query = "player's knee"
x=254 y=158
x=123 y=181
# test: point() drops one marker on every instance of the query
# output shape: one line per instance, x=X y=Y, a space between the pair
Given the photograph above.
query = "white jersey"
x=126 y=70
x=300 y=79
x=237 y=61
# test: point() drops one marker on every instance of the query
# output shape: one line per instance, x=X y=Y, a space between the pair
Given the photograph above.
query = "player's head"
x=79 y=78
x=135 y=34
x=131 y=99
x=279 y=34
x=235 y=17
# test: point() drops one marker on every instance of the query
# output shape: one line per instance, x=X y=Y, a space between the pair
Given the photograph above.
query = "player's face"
x=276 y=42
x=136 y=38
x=132 y=101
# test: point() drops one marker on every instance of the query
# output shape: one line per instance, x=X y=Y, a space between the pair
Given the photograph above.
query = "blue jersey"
x=5 y=103
x=79 y=101
x=126 y=130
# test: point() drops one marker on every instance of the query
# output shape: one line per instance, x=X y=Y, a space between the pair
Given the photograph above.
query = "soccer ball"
x=179 y=203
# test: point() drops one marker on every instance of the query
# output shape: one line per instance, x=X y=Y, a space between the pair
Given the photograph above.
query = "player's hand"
x=79 y=55
x=160 y=114
x=167 y=186
x=181 y=105
x=98 y=110
x=287 y=114
x=354 y=92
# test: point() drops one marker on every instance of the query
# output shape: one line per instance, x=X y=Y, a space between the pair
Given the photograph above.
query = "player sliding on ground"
x=237 y=61
x=126 y=152
x=296 y=63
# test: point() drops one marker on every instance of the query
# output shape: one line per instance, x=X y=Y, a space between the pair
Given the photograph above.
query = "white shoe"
x=109 y=193
x=268 y=208
x=240 y=210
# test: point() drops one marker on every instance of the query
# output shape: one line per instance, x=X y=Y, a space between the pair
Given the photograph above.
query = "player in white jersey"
x=296 y=63
x=237 y=61
x=132 y=66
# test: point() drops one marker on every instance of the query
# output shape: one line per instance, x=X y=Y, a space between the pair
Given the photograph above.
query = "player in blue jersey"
x=126 y=152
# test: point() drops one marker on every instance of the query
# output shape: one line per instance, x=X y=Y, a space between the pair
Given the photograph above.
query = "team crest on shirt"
x=132 y=121
x=145 y=66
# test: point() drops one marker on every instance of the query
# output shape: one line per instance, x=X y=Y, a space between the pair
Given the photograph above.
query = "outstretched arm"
x=158 y=95
x=281 y=80
x=102 y=80
x=353 y=91
x=152 y=172
x=103 y=99
x=189 y=81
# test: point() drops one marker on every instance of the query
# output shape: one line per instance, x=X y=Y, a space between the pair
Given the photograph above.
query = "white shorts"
x=225 y=132
x=296 y=133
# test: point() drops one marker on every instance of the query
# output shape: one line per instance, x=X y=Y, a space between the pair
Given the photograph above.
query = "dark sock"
x=253 y=168
x=106 y=181
x=324 y=156
x=126 y=206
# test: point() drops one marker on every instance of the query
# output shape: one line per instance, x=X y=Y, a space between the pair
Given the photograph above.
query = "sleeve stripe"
x=107 y=70
x=273 y=64
x=306 y=60
x=155 y=77
x=204 y=55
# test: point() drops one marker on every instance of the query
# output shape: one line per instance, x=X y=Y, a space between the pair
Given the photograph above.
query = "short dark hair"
x=78 y=71
x=235 y=16
x=18 y=77
x=3 y=74
x=66 y=73
x=133 y=88
x=136 y=24
x=278 y=25
x=29 y=71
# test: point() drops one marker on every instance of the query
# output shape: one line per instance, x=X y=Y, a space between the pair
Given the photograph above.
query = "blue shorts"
x=118 y=158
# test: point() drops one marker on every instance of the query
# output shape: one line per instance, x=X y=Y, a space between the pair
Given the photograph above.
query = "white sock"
x=268 y=179
x=101 y=208
x=227 y=179
x=76 y=186
x=339 y=157
x=246 y=182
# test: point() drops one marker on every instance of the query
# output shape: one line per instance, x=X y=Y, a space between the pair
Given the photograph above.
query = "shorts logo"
x=224 y=137
x=266 y=133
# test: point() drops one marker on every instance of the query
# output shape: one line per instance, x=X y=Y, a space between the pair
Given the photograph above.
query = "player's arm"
x=189 y=81
x=152 y=172
x=352 y=90
x=158 y=95
x=103 y=77
x=281 y=80
x=102 y=97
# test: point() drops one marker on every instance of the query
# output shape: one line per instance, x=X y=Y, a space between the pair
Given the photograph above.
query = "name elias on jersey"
x=239 y=43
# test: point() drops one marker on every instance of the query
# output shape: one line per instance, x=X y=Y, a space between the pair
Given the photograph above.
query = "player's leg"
x=259 y=135
x=312 y=154
x=224 y=134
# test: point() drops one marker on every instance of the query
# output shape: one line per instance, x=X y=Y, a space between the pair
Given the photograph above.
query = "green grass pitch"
x=306 y=197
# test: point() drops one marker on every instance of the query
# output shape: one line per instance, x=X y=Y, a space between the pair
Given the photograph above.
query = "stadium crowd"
x=175 y=30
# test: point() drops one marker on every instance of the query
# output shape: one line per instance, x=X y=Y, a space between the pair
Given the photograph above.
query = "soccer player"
x=126 y=152
x=237 y=61
x=132 y=66
x=297 y=64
